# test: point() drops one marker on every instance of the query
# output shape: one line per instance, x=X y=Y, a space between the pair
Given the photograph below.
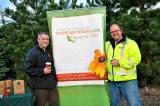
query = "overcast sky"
x=6 y=3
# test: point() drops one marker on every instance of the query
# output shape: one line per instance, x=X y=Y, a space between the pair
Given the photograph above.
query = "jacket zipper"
x=112 y=65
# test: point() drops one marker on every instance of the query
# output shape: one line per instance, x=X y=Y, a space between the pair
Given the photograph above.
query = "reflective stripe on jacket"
x=128 y=55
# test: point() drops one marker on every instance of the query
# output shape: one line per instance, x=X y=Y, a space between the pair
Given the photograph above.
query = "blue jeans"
x=127 y=89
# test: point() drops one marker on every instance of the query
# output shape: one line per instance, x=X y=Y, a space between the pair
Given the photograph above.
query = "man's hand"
x=47 y=70
x=115 y=62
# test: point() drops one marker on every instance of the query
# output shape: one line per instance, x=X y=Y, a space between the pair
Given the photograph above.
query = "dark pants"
x=42 y=96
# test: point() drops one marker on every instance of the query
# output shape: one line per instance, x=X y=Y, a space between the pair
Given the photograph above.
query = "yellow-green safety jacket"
x=128 y=54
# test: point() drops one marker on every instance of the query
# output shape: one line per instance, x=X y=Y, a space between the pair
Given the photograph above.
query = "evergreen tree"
x=137 y=18
x=27 y=21
x=3 y=68
x=141 y=23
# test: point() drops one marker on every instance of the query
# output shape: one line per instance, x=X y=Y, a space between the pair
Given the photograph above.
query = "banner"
x=77 y=36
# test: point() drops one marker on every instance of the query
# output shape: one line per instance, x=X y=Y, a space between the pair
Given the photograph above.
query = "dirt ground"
x=150 y=96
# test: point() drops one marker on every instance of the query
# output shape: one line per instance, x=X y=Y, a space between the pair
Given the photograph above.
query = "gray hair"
x=41 y=33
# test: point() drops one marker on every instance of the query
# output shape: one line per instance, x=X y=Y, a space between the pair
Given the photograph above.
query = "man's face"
x=43 y=40
x=116 y=32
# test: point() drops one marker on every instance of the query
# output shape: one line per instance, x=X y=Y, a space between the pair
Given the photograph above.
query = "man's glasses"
x=114 y=31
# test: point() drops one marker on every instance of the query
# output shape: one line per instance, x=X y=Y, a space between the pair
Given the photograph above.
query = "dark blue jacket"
x=34 y=65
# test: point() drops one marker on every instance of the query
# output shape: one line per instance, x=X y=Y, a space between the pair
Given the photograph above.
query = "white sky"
x=157 y=6
x=6 y=3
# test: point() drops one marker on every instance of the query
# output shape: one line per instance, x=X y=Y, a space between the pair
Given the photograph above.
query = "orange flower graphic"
x=98 y=64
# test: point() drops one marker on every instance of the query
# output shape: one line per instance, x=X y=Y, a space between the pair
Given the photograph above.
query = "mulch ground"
x=150 y=96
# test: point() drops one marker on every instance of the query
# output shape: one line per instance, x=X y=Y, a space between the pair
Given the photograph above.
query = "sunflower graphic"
x=98 y=65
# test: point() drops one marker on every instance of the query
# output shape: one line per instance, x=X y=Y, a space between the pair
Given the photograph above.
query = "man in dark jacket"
x=43 y=78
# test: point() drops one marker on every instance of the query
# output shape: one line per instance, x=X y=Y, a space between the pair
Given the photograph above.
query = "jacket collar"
x=41 y=48
x=113 y=41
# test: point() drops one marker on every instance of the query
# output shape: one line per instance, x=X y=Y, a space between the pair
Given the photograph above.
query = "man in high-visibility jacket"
x=123 y=55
